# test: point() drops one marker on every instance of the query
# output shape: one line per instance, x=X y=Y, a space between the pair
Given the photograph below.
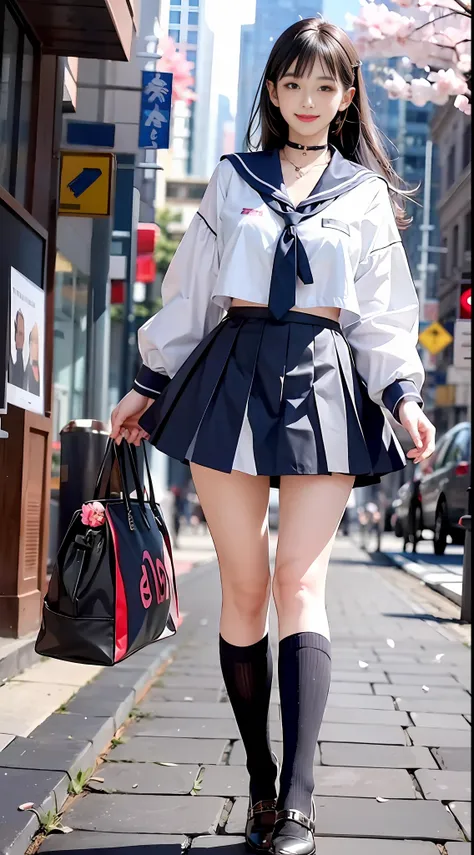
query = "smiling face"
x=309 y=103
x=19 y=331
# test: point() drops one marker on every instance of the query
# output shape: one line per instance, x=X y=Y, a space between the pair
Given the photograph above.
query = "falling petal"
x=164 y=763
x=363 y=664
x=425 y=688
x=439 y=657
x=390 y=642
x=380 y=799
x=134 y=786
x=26 y=806
x=203 y=622
x=65 y=829
x=188 y=698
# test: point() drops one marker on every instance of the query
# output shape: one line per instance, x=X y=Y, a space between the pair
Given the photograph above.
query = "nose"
x=308 y=101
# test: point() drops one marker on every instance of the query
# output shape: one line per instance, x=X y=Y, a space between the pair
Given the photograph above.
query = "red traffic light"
x=465 y=303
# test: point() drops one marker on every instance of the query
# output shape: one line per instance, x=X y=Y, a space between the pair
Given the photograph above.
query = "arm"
x=384 y=339
x=188 y=314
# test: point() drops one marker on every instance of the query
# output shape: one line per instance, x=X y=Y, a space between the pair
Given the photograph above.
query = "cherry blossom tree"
x=173 y=61
x=433 y=35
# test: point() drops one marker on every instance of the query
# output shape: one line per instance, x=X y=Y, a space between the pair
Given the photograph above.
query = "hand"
x=125 y=418
x=420 y=429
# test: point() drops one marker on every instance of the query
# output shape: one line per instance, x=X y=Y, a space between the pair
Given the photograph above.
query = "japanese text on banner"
x=155 y=110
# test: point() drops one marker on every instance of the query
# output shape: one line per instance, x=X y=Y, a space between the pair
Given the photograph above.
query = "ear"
x=347 y=99
x=272 y=91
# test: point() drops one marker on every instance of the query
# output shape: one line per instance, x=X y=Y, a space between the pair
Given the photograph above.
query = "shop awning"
x=97 y=29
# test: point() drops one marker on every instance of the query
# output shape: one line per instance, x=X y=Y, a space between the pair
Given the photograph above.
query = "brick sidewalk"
x=393 y=758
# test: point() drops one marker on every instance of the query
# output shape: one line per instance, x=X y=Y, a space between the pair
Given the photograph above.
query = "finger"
x=133 y=436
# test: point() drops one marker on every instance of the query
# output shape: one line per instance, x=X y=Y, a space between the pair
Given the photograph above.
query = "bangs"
x=308 y=47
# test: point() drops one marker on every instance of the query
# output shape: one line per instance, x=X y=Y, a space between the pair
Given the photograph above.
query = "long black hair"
x=352 y=132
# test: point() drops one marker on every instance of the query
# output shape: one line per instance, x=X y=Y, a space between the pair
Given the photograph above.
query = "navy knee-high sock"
x=247 y=673
x=304 y=673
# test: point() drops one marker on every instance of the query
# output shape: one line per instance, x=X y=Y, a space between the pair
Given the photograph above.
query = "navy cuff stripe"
x=150 y=383
x=399 y=391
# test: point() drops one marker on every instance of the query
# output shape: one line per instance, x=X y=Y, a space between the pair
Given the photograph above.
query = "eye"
x=289 y=85
x=326 y=88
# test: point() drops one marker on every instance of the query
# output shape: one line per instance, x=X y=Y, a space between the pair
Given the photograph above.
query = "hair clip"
x=358 y=64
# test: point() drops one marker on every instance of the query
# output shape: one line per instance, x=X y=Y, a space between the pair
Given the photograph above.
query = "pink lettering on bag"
x=160 y=580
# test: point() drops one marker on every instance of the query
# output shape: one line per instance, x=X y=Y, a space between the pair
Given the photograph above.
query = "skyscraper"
x=272 y=17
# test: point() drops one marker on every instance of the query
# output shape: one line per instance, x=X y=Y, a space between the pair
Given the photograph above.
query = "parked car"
x=444 y=481
x=406 y=516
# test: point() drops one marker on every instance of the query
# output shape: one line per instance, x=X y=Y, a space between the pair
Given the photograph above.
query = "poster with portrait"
x=25 y=386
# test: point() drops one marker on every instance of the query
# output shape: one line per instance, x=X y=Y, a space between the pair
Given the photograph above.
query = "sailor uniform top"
x=340 y=247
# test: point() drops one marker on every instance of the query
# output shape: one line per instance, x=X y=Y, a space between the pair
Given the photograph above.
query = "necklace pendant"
x=305 y=152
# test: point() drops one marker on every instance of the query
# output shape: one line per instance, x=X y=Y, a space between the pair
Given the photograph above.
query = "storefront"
x=41 y=328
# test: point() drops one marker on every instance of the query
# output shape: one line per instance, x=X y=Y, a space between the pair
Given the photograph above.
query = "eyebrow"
x=322 y=77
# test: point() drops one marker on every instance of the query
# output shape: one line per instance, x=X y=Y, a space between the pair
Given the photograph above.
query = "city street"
x=392 y=768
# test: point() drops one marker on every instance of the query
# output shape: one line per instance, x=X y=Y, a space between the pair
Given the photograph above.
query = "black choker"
x=306 y=148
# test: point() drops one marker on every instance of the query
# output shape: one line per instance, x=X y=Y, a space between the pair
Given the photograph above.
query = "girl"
x=298 y=243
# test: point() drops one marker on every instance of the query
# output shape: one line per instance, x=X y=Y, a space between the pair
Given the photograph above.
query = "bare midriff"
x=322 y=311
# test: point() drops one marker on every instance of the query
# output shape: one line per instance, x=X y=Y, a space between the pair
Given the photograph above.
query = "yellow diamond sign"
x=435 y=338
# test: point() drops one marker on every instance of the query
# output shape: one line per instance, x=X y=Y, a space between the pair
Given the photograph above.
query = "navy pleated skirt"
x=274 y=397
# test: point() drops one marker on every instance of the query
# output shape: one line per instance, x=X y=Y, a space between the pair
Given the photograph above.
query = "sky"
x=226 y=18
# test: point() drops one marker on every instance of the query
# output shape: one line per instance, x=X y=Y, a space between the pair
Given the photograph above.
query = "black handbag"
x=113 y=586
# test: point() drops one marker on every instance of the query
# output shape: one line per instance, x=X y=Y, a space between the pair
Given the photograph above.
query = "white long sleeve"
x=188 y=314
x=384 y=339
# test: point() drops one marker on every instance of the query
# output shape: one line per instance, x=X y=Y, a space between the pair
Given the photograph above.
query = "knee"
x=248 y=598
x=293 y=582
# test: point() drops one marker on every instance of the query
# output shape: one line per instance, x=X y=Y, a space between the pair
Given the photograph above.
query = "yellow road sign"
x=435 y=338
x=86 y=183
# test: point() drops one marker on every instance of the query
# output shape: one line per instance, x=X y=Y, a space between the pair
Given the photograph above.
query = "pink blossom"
x=462 y=103
x=93 y=514
x=448 y=82
x=397 y=87
x=464 y=64
x=175 y=62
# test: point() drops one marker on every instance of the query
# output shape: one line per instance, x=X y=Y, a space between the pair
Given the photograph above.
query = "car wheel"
x=457 y=536
x=440 y=529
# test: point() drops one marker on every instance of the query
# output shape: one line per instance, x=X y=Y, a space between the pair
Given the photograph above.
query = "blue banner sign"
x=155 y=111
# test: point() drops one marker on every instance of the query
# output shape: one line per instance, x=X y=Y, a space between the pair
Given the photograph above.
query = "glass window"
x=175 y=34
x=192 y=37
x=193 y=18
x=191 y=56
x=175 y=17
x=458 y=450
x=8 y=72
x=451 y=173
x=443 y=263
x=176 y=2
x=439 y=453
x=455 y=247
x=24 y=121
x=194 y=3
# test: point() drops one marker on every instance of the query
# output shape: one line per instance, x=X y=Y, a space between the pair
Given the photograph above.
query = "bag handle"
x=114 y=452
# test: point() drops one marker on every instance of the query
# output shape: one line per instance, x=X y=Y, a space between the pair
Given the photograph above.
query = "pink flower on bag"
x=93 y=514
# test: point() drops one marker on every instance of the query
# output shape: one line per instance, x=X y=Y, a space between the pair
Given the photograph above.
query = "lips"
x=306 y=118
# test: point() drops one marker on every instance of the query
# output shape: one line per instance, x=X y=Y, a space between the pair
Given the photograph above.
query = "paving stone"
x=144 y=749
x=237 y=756
x=417 y=819
x=18 y=786
x=462 y=812
x=453 y=722
x=409 y=690
x=207 y=696
x=154 y=706
x=406 y=668
x=356 y=716
x=19 y=716
x=67 y=755
x=185 y=727
x=359 y=702
x=434 y=737
x=363 y=783
x=376 y=756
x=443 y=681
x=436 y=705
x=194 y=681
x=351 y=688
x=453 y=759
x=96 y=841
x=458 y=849
x=358 y=675
x=365 y=733
x=151 y=814
x=218 y=842
x=445 y=786
x=146 y=779
x=98 y=730
x=353 y=846
x=95 y=701
x=225 y=781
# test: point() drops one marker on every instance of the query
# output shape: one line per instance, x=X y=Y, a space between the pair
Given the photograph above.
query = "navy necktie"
x=290 y=261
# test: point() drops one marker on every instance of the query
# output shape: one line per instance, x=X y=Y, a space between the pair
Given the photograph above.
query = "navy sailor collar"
x=262 y=171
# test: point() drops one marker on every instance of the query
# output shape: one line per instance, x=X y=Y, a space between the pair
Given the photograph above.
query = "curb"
x=38 y=768
x=21 y=656
x=409 y=567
